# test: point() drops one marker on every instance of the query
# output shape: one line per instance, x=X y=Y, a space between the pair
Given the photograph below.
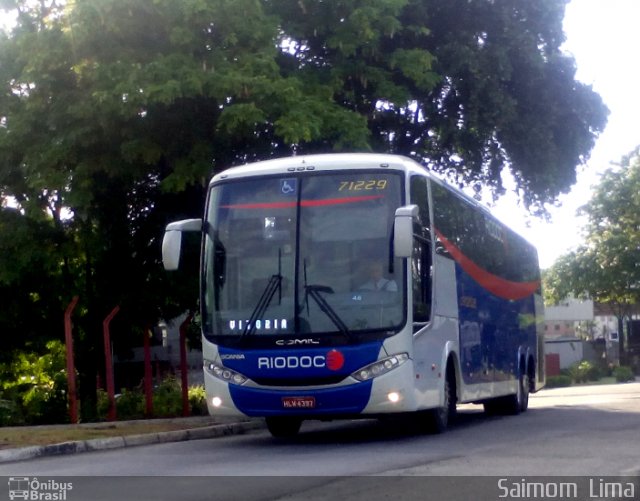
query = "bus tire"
x=515 y=404
x=525 y=383
x=520 y=401
x=441 y=417
x=283 y=427
x=511 y=404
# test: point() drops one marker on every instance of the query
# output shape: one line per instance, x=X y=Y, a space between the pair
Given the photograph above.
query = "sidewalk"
x=193 y=428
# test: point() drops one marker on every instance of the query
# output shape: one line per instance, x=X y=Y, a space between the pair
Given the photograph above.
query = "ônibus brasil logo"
x=334 y=361
x=41 y=490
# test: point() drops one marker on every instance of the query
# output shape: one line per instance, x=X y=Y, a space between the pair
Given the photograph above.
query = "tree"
x=606 y=267
x=113 y=115
x=30 y=283
x=613 y=229
x=466 y=87
x=118 y=127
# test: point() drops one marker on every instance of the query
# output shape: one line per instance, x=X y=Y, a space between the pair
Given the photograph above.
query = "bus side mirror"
x=172 y=241
x=403 y=230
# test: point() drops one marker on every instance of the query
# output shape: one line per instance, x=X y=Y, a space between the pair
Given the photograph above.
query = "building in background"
x=577 y=330
x=572 y=318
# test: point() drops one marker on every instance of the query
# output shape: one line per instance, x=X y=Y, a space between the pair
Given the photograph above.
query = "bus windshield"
x=308 y=255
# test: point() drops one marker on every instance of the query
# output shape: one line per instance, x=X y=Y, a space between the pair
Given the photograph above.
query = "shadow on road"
x=391 y=428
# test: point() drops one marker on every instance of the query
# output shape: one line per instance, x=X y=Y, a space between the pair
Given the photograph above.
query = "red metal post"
x=183 y=365
x=71 y=366
x=148 y=374
x=111 y=414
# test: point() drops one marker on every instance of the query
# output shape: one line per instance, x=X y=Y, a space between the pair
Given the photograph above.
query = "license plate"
x=298 y=402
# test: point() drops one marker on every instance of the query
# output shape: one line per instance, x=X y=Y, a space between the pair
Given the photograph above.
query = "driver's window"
x=421 y=260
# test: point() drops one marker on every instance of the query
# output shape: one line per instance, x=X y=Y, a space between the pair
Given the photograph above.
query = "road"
x=581 y=431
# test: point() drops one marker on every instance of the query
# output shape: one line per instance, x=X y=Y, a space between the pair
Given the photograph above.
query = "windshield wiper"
x=314 y=291
x=273 y=285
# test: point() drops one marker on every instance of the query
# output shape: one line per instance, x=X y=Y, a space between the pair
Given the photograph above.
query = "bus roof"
x=302 y=163
x=331 y=161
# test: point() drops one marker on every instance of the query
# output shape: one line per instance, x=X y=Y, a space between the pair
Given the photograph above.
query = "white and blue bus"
x=360 y=285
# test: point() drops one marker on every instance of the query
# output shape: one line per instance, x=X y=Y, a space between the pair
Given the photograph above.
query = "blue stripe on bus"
x=260 y=402
x=300 y=364
x=492 y=330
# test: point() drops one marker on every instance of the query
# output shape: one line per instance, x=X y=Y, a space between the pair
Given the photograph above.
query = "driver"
x=376 y=280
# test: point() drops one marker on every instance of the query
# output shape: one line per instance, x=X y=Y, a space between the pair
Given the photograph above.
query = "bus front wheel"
x=441 y=417
x=283 y=427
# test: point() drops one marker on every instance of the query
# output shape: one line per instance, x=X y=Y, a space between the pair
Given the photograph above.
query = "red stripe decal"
x=505 y=289
x=264 y=205
x=304 y=203
x=339 y=201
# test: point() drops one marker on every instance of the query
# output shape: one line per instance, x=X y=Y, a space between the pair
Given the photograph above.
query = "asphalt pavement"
x=191 y=428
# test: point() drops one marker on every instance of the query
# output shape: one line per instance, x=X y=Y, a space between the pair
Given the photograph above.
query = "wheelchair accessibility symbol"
x=288 y=186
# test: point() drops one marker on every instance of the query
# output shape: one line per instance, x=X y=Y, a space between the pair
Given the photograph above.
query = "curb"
x=96 y=444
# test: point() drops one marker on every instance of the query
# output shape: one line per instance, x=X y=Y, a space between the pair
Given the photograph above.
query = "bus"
x=360 y=286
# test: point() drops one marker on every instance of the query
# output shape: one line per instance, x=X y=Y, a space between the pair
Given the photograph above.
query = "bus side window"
x=420 y=197
x=446 y=218
x=421 y=261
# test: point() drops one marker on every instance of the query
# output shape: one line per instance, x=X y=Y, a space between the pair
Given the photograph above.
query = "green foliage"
x=198 y=400
x=584 y=371
x=613 y=240
x=561 y=381
x=167 y=399
x=592 y=371
x=10 y=414
x=34 y=392
x=102 y=404
x=577 y=373
x=36 y=385
x=623 y=374
x=567 y=277
x=130 y=404
x=605 y=267
x=30 y=282
x=471 y=87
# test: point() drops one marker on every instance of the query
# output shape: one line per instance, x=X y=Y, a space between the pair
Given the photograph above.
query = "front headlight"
x=380 y=367
x=224 y=373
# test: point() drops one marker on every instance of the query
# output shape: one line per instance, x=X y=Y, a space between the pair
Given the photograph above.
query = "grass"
x=23 y=436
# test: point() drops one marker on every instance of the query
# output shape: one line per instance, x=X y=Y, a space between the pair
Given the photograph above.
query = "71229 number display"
x=363 y=185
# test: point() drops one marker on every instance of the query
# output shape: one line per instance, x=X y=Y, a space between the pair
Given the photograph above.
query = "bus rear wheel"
x=283 y=427
x=523 y=392
x=519 y=402
x=511 y=404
